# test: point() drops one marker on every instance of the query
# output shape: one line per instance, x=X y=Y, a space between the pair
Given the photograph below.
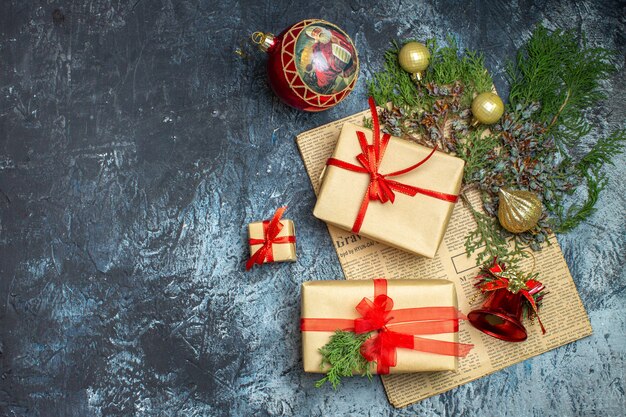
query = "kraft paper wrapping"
x=415 y=224
x=338 y=299
x=283 y=252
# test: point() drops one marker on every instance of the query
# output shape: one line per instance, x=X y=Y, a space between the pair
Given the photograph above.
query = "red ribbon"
x=532 y=287
x=271 y=229
x=395 y=328
x=382 y=188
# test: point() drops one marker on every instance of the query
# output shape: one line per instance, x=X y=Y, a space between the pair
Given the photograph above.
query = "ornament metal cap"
x=417 y=76
x=263 y=40
x=500 y=316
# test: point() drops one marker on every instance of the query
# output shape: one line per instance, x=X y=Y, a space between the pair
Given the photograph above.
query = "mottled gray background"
x=134 y=148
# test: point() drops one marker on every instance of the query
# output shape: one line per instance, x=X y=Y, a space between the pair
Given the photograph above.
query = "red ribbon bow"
x=382 y=347
x=271 y=229
x=395 y=328
x=381 y=187
x=532 y=287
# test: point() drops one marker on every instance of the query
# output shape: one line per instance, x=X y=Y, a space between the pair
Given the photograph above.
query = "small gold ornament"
x=487 y=108
x=414 y=58
x=518 y=210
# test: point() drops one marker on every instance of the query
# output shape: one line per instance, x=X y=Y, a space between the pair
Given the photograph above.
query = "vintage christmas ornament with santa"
x=312 y=65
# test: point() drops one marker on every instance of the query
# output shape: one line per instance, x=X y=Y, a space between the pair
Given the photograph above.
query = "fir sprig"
x=449 y=65
x=560 y=71
x=393 y=84
x=343 y=356
x=489 y=240
x=564 y=74
x=476 y=150
x=603 y=151
x=567 y=219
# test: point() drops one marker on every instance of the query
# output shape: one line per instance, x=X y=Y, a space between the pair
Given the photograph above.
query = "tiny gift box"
x=413 y=322
x=389 y=189
x=272 y=240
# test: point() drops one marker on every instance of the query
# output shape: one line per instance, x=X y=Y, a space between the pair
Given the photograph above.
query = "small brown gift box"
x=338 y=299
x=281 y=252
x=416 y=224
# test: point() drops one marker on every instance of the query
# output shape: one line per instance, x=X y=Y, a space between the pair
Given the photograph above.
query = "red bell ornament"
x=509 y=295
x=500 y=316
x=312 y=65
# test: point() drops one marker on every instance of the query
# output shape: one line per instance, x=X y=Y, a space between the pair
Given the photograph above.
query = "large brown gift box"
x=415 y=224
x=338 y=299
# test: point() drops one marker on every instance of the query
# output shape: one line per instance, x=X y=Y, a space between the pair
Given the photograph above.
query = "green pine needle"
x=604 y=151
x=564 y=75
x=489 y=240
x=475 y=150
x=576 y=214
x=343 y=354
x=448 y=65
x=393 y=84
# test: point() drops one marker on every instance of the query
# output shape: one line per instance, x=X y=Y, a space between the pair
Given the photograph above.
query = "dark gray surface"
x=135 y=147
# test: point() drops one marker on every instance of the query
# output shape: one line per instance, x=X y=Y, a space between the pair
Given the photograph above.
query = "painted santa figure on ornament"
x=327 y=61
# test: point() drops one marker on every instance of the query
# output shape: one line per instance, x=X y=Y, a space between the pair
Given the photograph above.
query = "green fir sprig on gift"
x=555 y=81
x=342 y=354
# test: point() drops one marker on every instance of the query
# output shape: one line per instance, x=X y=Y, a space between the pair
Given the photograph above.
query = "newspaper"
x=562 y=312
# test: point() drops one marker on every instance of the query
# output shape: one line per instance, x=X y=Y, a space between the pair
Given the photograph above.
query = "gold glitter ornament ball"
x=518 y=211
x=414 y=58
x=487 y=108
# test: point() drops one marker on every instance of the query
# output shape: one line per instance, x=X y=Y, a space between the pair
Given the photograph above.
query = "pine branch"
x=562 y=74
x=555 y=118
x=343 y=354
x=447 y=66
x=476 y=150
x=604 y=151
x=575 y=214
x=393 y=84
x=489 y=239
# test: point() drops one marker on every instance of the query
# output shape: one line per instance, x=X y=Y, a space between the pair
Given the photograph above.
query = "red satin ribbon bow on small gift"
x=532 y=287
x=271 y=229
x=395 y=328
x=381 y=187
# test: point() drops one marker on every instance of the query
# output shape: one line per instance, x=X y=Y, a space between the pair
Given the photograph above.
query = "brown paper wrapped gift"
x=416 y=224
x=337 y=300
x=264 y=248
x=282 y=252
